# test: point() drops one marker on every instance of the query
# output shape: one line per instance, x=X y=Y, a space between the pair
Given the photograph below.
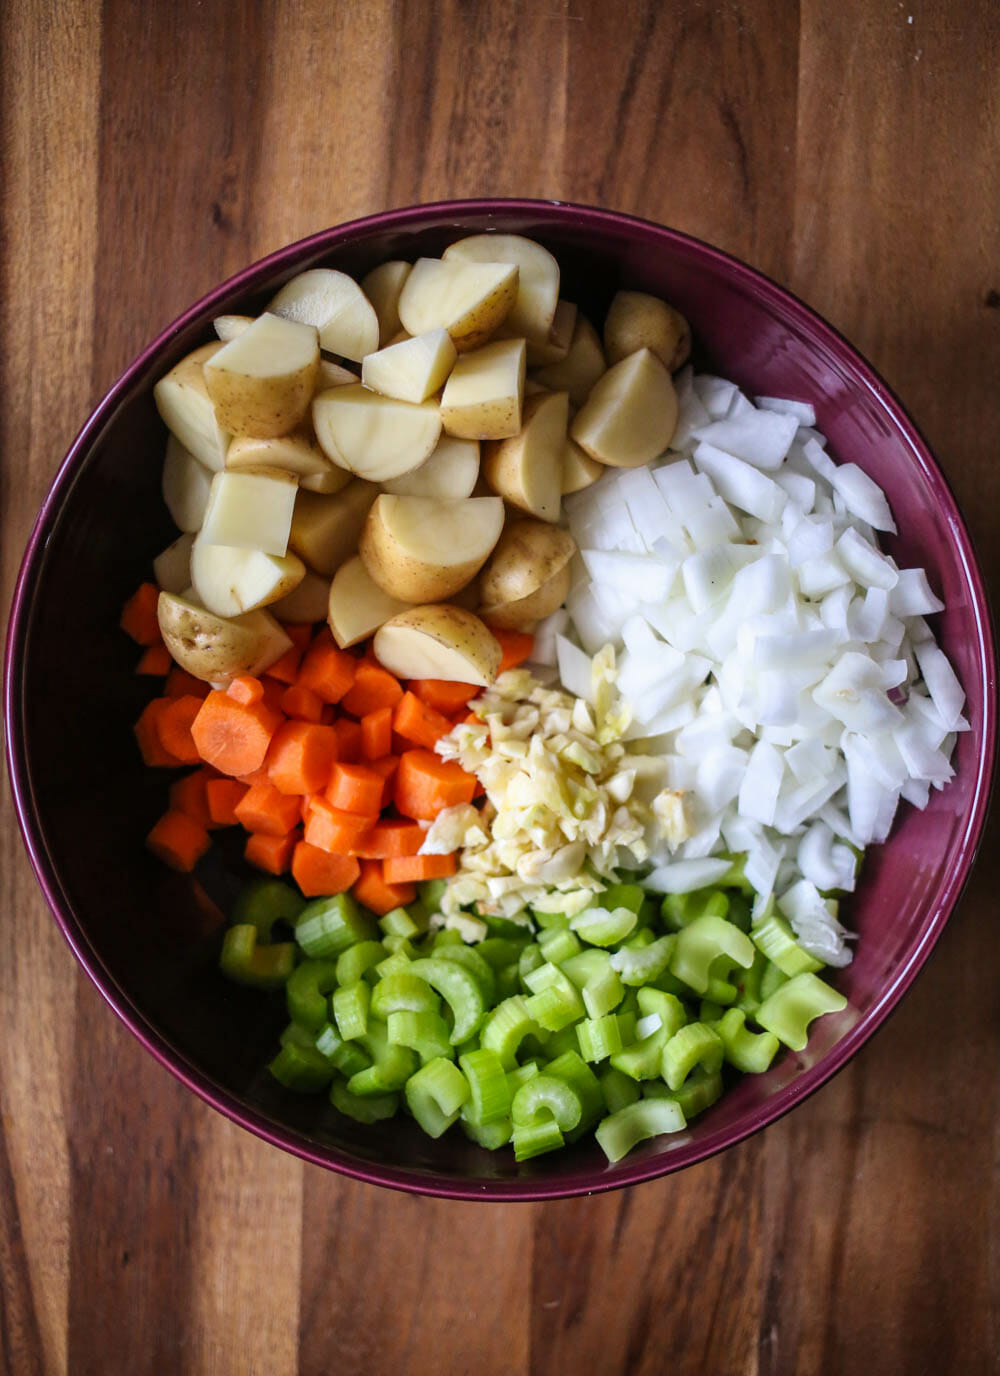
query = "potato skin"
x=525 y=614
x=263 y=407
x=209 y=647
x=636 y=320
x=527 y=556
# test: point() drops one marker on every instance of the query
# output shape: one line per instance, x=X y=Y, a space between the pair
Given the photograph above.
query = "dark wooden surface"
x=851 y=150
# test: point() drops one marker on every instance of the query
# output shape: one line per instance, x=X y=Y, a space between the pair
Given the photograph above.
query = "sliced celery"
x=435 y=1094
x=359 y=961
x=475 y=964
x=774 y=936
x=739 y=910
x=425 y=1033
x=701 y=944
x=521 y=1075
x=559 y=944
x=327 y=926
x=599 y=1038
x=489 y=1091
x=709 y=1012
x=505 y=1029
x=492 y=1136
x=508 y=982
x=549 y=921
x=347 y=1057
x=641 y=965
x=399 y=945
x=533 y=1139
x=244 y=961
x=306 y=991
x=641 y=1059
x=392 y=1065
x=556 y=1004
x=445 y=936
x=671 y=1011
x=507 y=927
x=679 y=910
x=604 y=927
x=530 y=959
x=301 y=1068
x=582 y=968
x=500 y=951
x=748 y=984
x=394 y=964
x=698 y=1092
x=751 y=1052
x=459 y=988
x=262 y=903
x=736 y=878
x=431 y=892
x=625 y=1129
x=403 y=992
x=398 y=922
x=350 y=1005
x=791 y=1008
x=622 y=896
x=582 y=1080
x=771 y=979
x=545 y=1095
x=556 y=1043
x=695 y=1044
x=368 y=1108
x=618 y=1089
x=603 y=992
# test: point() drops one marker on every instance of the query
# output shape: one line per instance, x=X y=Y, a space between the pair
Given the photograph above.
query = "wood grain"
x=853 y=152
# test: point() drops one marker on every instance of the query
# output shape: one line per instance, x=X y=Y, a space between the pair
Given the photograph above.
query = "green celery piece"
x=543 y=1096
x=327 y=926
x=398 y=922
x=775 y=938
x=627 y=1019
x=530 y=959
x=698 y=1092
x=721 y=989
x=499 y=951
x=641 y=1059
x=489 y=1091
x=306 y=991
x=791 y=1008
x=637 y=966
x=350 y=1004
x=347 y=1057
x=403 y=992
x=431 y=893
x=599 y=1038
x=639 y=940
x=392 y=1065
x=508 y=982
x=398 y=963
x=701 y=943
x=751 y=1052
x=571 y=1067
x=476 y=965
x=503 y=926
x=301 y=1068
x=622 y=896
x=492 y=1136
x=533 y=1139
x=709 y=1012
x=521 y=1075
x=558 y=1042
x=506 y=1027
x=618 y=1089
x=695 y=1044
x=540 y=978
x=262 y=903
x=459 y=988
x=603 y=926
x=549 y=921
x=748 y=985
x=556 y=1003
x=368 y=1108
x=679 y=910
x=245 y=962
x=424 y=1033
x=435 y=1094
x=668 y=1007
x=582 y=968
x=621 y=1131
x=603 y=993
x=359 y=961
x=736 y=878
x=399 y=945
x=771 y=979
x=558 y=944
x=445 y=936
x=739 y=910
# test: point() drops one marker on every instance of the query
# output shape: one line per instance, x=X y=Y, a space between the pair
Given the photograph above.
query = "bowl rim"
x=580 y=1182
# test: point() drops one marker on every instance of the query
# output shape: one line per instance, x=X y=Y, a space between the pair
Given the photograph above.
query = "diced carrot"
x=190 y=795
x=178 y=840
x=408 y=869
x=181 y=684
x=356 y=788
x=246 y=689
x=301 y=757
x=301 y=703
x=472 y=719
x=148 y=736
x=264 y=809
x=174 y=725
x=139 y=615
x=348 y=741
x=386 y=765
x=222 y=796
x=274 y=691
x=329 y=717
x=516 y=646
x=233 y=737
x=329 y=672
x=272 y=854
x=443 y=695
x=389 y=840
x=256 y=776
x=373 y=892
x=376 y=733
x=373 y=687
x=287 y=667
x=417 y=723
x=155 y=661
x=331 y=829
x=300 y=635
x=319 y=873
x=425 y=784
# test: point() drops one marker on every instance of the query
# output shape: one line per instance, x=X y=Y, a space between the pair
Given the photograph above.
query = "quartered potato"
x=333 y=375
x=527 y=469
x=483 y=396
x=325 y=529
x=636 y=320
x=469 y=300
x=306 y=603
x=423 y=550
x=382 y=286
x=185 y=485
x=631 y=413
x=250 y=510
x=356 y=605
x=336 y=306
x=227 y=327
x=439 y=642
x=579 y=470
x=374 y=436
x=296 y=453
x=527 y=576
x=412 y=370
x=555 y=348
x=450 y=472
x=581 y=367
x=533 y=311
x=172 y=568
x=183 y=401
x=216 y=648
x=263 y=380
x=231 y=581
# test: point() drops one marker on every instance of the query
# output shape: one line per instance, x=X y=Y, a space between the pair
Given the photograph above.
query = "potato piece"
x=412 y=370
x=336 y=306
x=382 y=286
x=250 y=510
x=631 y=413
x=555 y=348
x=217 y=648
x=581 y=367
x=172 y=568
x=636 y=320
x=231 y=581
x=450 y=472
x=533 y=311
x=185 y=486
x=373 y=436
x=423 y=550
x=528 y=554
x=356 y=605
x=333 y=375
x=579 y=470
x=525 y=614
x=229 y=327
x=438 y=642
x=187 y=410
x=469 y=300
x=325 y=529
x=296 y=452
x=526 y=470
x=332 y=479
x=482 y=398
x=304 y=604
x=262 y=381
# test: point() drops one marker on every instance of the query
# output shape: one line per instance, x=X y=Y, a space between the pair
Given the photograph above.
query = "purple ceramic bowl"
x=147 y=937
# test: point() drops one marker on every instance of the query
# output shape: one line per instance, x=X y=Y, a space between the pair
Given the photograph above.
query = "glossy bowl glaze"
x=149 y=938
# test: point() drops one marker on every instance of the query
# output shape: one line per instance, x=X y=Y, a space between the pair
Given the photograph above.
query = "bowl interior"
x=150 y=937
